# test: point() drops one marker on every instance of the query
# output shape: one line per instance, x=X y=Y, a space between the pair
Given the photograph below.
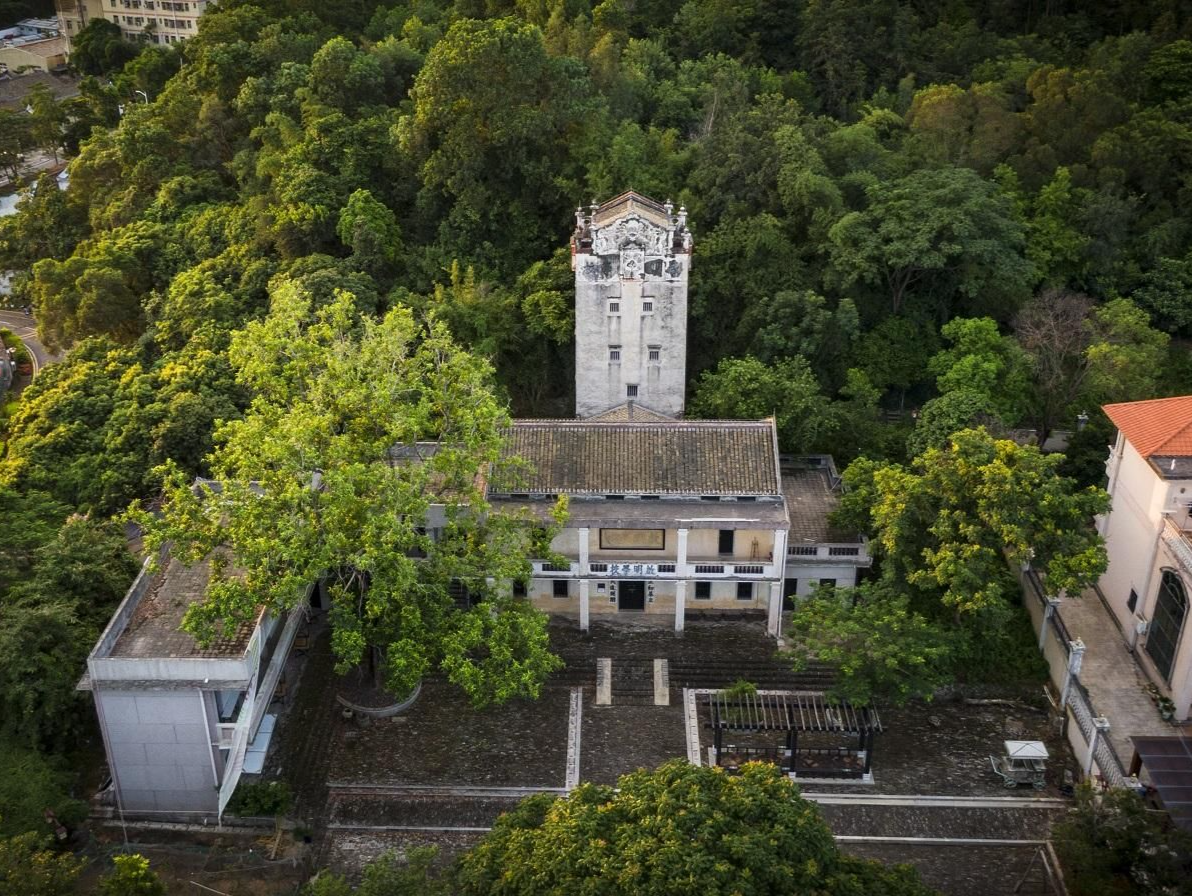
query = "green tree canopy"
x=678 y=830
x=945 y=234
x=747 y=389
x=950 y=522
x=356 y=430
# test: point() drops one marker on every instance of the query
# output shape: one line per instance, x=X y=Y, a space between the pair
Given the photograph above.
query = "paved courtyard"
x=442 y=771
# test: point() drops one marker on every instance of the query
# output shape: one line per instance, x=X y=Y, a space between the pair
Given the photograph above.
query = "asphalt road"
x=23 y=325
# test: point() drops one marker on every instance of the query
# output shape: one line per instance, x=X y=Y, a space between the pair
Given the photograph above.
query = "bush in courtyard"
x=260 y=799
x=132 y=877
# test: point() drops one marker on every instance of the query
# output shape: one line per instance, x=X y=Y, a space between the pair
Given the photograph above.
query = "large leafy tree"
x=747 y=389
x=1083 y=355
x=356 y=429
x=944 y=530
x=944 y=234
x=948 y=523
x=882 y=649
x=678 y=830
x=494 y=117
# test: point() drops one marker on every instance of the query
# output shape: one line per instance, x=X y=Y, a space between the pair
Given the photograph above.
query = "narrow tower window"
x=614 y=353
x=655 y=354
x=631 y=390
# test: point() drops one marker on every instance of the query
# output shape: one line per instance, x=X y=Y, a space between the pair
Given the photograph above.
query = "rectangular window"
x=827 y=583
x=744 y=590
x=614 y=353
x=1133 y=601
x=560 y=587
x=647 y=306
x=703 y=590
x=726 y=541
x=655 y=353
x=631 y=390
x=614 y=307
x=519 y=589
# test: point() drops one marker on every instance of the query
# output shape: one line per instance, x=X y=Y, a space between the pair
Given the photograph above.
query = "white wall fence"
x=1085 y=727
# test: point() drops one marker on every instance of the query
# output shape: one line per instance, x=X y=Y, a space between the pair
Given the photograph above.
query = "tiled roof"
x=1161 y=426
x=580 y=457
x=630 y=412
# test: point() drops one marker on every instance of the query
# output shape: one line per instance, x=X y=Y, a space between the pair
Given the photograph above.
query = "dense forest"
x=909 y=218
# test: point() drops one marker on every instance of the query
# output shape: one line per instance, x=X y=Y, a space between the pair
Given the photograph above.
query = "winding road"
x=24 y=326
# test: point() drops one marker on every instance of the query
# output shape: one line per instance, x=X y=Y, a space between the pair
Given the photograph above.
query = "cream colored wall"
x=1131 y=532
x=1181 y=670
x=566 y=543
x=18 y=57
x=702 y=544
x=667 y=554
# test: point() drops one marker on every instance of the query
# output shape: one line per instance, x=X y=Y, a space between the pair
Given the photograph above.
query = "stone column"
x=583 y=605
x=583 y=579
x=680 y=605
x=1100 y=729
x=681 y=585
x=778 y=568
x=1075 y=659
x=1048 y=611
x=774 y=619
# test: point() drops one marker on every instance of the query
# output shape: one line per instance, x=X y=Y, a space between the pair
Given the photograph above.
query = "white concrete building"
x=1148 y=535
x=631 y=257
x=178 y=719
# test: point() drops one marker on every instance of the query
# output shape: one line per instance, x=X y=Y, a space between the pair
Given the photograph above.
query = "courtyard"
x=442 y=771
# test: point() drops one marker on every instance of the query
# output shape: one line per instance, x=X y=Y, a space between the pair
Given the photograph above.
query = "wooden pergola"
x=796 y=713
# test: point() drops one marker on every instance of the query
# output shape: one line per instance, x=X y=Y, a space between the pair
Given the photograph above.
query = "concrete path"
x=1115 y=683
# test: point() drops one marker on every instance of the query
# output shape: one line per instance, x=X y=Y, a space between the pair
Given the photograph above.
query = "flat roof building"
x=176 y=716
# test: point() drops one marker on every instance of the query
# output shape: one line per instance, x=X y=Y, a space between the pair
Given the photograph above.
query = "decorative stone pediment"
x=630 y=233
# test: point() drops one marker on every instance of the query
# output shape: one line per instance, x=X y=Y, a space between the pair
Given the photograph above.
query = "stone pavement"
x=1114 y=682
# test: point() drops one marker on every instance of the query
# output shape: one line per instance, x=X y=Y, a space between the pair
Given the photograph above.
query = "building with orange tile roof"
x=1148 y=535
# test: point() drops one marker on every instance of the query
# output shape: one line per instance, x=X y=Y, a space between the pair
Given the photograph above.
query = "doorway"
x=631 y=597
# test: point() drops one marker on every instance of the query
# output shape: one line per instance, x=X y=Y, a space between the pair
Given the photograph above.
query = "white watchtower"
x=630 y=256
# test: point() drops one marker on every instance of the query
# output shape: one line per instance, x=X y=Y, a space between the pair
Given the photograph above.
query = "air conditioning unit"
x=1141 y=627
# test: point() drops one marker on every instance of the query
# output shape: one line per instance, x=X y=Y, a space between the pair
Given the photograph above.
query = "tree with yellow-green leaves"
x=357 y=429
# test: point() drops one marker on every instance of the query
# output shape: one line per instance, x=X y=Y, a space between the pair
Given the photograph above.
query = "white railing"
x=831 y=553
x=627 y=569
x=1178 y=544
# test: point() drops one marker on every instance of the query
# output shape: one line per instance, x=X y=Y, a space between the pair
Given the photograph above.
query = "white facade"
x=631 y=258
x=1147 y=534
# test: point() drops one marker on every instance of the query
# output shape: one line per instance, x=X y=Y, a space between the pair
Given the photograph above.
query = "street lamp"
x=142 y=93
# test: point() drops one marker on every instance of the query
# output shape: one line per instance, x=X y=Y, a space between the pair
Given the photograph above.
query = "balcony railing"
x=668 y=570
x=831 y=553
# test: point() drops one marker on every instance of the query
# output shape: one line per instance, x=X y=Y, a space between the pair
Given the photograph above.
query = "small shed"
x=804 y=733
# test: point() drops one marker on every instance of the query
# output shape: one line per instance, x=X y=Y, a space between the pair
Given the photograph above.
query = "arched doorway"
x=1166 y=623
